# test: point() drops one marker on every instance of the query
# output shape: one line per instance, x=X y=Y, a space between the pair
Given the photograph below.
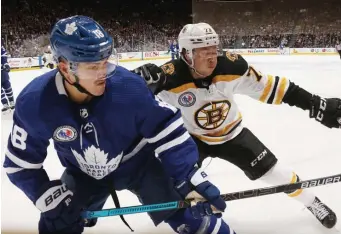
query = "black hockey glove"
x=60 y=210
x=326 y=110
x=150 y=72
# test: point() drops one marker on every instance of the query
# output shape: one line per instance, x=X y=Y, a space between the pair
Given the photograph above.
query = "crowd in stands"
x=150 y=25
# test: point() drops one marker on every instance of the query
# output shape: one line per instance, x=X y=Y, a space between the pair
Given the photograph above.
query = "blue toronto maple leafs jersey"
x=109 y=137
x=3 y=56
x=174 y=48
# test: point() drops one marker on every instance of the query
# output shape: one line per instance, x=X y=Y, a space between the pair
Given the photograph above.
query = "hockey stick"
x=227 y=197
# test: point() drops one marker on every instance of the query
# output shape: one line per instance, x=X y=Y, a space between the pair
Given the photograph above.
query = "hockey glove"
x=150 y=72
x=60 y=211
x=326 y=110
x=6 y=67
x=197 y=181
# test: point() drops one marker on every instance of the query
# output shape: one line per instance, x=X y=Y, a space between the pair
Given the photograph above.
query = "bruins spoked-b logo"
x=212 y=115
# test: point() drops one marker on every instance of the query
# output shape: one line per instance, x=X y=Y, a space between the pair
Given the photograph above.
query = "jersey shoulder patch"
x=231 y=56
x=168 y=68
x=176 y=74
x=231 y=64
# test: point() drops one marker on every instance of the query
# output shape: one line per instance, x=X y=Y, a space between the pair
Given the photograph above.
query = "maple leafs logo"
x=70 y=28
x=95 y=162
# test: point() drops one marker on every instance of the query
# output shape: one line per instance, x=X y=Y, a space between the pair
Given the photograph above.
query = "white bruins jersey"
x=48 y=59
x=207 y=105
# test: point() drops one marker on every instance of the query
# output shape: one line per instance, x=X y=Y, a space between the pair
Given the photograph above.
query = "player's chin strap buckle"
x=195 y=197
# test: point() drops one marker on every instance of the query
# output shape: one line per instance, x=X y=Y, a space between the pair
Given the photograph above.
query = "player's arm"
x=276 y=90
x=27 y=149
x=26 y=152
x=4 y=63
x=162 y=125
x=324 y=110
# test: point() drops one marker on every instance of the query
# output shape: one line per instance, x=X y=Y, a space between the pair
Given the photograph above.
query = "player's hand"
x=327 y=111
x=59 y=209
x=6 y=67
x=150 y=72
x=197 y=181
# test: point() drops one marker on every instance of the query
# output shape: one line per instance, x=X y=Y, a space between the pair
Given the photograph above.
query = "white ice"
x=311 y=149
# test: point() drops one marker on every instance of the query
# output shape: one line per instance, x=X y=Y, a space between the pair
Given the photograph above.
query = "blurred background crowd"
x=151 y=24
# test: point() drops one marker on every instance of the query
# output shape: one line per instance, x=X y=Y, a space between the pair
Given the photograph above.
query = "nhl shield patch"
x=65 y=133
x=187 y=99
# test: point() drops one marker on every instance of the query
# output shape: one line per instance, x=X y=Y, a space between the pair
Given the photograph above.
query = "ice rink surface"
x=311 y=149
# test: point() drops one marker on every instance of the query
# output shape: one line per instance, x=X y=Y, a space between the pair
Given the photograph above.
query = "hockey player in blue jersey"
x=110 y=133
x=174 y=49
x=7 y=98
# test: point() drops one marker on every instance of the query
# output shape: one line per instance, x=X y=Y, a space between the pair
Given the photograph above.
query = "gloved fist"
x=6 y=67
x=197 y=181
x=60 y=211
x=150 y=72
x=326 y=110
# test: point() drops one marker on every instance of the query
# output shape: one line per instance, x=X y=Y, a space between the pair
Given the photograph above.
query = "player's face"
x=92 y=76
x=205 y=60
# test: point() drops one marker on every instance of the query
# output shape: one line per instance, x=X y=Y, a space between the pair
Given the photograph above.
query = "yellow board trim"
x=24 y=69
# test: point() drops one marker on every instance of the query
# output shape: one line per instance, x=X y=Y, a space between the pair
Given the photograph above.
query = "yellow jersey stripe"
x=267 y=88
x=183 y=88
x=281 y=91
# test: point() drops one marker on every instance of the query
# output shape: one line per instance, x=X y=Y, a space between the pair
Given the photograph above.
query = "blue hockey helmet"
x=80 y=39
x=87 y=48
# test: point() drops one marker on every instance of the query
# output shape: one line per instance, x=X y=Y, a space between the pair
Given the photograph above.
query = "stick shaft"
x=282 y=188
x=227 y=197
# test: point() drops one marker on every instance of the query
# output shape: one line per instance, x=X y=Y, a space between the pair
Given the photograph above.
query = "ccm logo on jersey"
x=65 y=133
x=259 y=158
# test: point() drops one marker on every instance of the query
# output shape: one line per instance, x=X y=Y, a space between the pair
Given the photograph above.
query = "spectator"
x=136 y=26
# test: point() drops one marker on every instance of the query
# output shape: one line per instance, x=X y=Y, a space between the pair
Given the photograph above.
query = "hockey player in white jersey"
x=48 y=59
x=202 y=85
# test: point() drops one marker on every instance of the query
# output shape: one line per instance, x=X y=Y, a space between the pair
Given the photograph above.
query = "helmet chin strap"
x=192 y=67
x=77 y=85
